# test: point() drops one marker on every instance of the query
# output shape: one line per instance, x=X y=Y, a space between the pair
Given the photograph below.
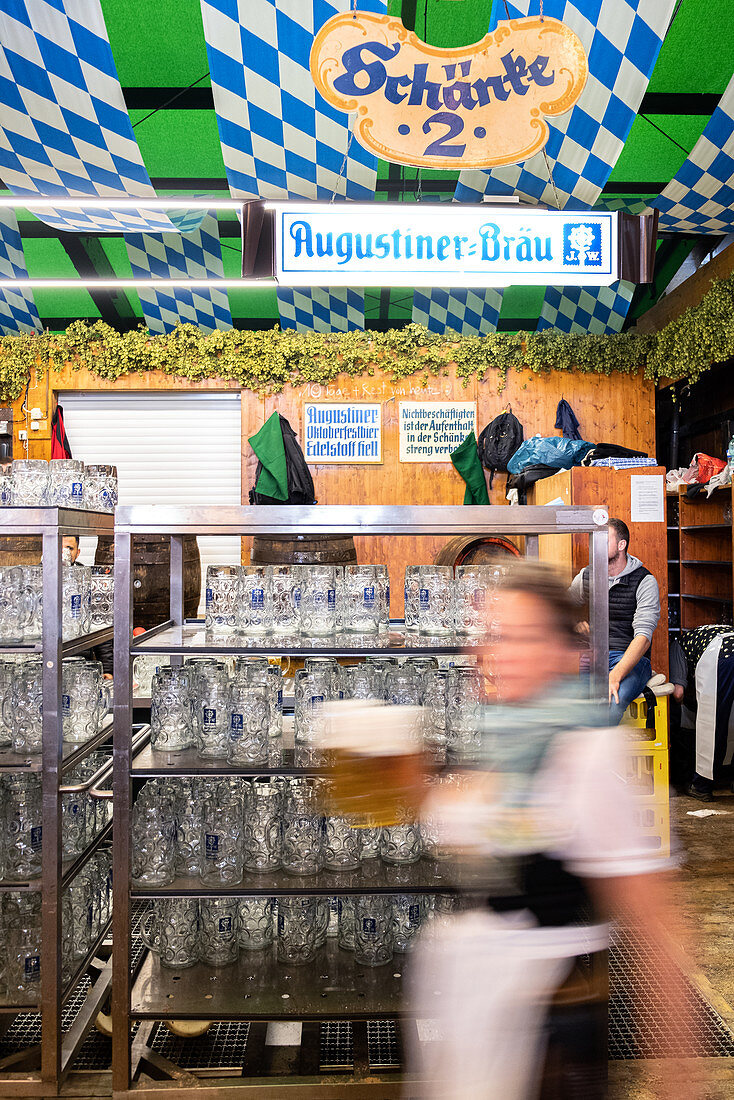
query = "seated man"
x=702 y=670
x=634 y=611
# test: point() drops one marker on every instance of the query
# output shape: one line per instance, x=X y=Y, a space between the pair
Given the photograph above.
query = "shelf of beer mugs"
x=257 y=987
x=70 y=868
x=68 y=648
x=72 y=752
x=405 y=520
x=425 y=876
x=192 y=638
x=285 y=757
x=20 y=520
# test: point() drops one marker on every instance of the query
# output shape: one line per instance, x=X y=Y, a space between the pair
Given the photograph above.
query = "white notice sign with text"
x=431 y=430
x=647 y=498
x=349 y=432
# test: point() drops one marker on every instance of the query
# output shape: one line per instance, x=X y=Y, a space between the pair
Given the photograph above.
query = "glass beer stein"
x=256 y=599
x=17 y=604
x=172 y=709
x=84 y=699
x=170 y=929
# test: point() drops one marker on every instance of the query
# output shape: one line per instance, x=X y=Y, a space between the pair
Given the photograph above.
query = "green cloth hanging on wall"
x=270 y=450
x=466 y=460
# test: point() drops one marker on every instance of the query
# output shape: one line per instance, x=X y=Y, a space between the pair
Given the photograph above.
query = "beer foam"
x=369 y=727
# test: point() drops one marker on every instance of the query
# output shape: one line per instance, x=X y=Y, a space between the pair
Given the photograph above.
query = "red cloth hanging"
x=59 y=440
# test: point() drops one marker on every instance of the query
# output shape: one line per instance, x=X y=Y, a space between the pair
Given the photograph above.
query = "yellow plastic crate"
x=635 y=718
x=653 y=821
x=647 y=770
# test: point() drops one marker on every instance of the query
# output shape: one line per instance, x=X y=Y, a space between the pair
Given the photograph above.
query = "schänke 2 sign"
x=476 y=106
x=381 y=244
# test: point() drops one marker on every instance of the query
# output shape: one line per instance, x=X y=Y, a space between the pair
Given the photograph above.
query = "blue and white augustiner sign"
x=342 y=431
x=380 y=244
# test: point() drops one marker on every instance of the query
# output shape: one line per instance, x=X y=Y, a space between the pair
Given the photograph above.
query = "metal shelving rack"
x=257 y=989
x=56 y=759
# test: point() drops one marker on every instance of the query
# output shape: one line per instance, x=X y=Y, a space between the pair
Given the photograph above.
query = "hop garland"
x=265 y=361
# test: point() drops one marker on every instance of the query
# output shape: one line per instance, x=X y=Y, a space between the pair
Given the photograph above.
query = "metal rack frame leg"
x=52 y=762
x=599 y=611
x=123 y=608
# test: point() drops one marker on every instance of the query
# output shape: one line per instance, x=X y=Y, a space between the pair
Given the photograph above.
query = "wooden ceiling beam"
x=687 y=294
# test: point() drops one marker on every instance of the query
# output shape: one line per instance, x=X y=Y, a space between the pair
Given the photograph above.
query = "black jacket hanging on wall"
x=567 y=421
x=299 y=480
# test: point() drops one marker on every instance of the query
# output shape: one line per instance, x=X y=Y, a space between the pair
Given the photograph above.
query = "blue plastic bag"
x=551 y=451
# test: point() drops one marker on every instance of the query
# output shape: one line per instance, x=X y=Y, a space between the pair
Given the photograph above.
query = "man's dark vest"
x=622 y=605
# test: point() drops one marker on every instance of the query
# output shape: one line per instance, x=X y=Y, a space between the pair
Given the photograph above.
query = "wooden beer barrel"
x=20 y=549
x=152 y=573
x=476 y=550
x=303 y=550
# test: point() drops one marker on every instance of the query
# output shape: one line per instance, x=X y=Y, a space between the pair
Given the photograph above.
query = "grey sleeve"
x=576 y=588
x=647 y=615
x=678 y=665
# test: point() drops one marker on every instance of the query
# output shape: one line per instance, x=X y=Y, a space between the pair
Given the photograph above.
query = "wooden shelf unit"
x=705 y=555
x=674 y=564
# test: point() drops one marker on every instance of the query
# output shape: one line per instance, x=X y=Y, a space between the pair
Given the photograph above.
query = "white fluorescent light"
x=112 y=203
x=128 y=284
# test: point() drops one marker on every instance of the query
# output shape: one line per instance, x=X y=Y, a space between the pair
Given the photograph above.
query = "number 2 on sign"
x=439 y=147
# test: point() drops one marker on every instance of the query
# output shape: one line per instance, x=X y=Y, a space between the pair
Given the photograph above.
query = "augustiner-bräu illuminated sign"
x=380 y=244
x=474 y=106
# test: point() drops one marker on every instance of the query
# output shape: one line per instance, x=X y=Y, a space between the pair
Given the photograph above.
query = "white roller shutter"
x=172 y=448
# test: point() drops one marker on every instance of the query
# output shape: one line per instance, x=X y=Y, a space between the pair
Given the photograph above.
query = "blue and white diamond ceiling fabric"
x=65 y=131
x=622 y=39
x=196 y=255
x=280 y=139
x=700 y=197
x=64 y=126
x=18 y=311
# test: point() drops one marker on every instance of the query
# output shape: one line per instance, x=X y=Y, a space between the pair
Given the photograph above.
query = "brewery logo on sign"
x=474 y=106
x=582 y=244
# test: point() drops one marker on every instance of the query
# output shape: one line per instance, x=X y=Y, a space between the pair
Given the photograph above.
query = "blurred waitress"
x=517 y=981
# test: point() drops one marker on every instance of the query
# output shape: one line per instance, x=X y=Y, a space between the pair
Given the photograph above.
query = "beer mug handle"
x=151 y=938
x=105 y=697
x=7 y=713
x=28 y=605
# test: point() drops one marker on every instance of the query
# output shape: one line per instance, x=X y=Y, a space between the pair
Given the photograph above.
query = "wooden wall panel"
x=389 y=482
x=621 y=408
x=648 y=541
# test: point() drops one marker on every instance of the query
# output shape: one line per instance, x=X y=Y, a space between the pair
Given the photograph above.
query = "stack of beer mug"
x=21 y=819
x=20 y=946
x=375 y=927
x=86 y=910
x=450 y=697
x=218 y=831
x=103 y=594
x=439 y=601
x=61 y=483
x=145 y=667
x=85 y=701
x=222 y=714
x=312 y=600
